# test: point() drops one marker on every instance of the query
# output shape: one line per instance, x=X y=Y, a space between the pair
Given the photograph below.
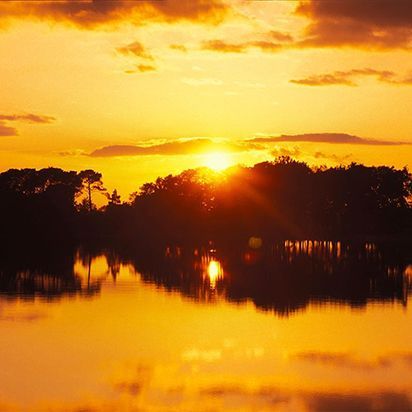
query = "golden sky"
x=137 y=89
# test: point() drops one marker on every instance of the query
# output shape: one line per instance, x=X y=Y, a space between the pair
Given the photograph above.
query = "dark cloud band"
x=335 y=138
x=96 y=13
x=176 y=147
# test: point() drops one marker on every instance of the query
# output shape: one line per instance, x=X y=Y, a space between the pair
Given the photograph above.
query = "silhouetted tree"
x=38 y=203
x=92 y=181
x=114 y=198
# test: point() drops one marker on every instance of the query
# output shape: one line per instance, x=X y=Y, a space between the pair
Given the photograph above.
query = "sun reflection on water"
x=214 y=272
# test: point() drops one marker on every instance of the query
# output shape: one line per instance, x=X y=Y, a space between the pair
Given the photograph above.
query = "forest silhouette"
x=284 y=234
x=283 y=199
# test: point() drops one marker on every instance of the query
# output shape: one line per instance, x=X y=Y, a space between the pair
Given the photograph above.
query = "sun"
x=217 y=161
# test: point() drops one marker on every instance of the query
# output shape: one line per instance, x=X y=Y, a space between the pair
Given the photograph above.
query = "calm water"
x=295 y=326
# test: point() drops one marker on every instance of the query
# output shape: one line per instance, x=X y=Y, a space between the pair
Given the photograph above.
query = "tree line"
x=280 y=199
x=45 y=204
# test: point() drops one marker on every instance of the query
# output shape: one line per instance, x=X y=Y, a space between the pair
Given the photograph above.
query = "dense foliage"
x=280 y=199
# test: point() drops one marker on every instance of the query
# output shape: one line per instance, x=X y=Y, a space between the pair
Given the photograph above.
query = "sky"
x=140 y=89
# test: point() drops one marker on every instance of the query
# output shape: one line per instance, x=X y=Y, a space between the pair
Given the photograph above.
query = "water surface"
x=294 y=326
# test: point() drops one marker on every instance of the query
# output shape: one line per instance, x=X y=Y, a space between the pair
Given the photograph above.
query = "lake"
x=289 y=326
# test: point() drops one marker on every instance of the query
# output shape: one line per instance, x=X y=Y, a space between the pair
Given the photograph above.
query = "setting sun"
x=217 y=161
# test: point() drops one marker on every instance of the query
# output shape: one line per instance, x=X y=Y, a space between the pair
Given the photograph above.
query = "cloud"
x=226 y=47
x=367 y=23
x=103 y=13
x=205 y=145
x=30 y=118
x=336 y=138
x=284 y=151
x=272 y=41
x=267 y=46
x=279 y=36
x=142 y=68
x=346 y=78
x=6 y=130
x=179 y=47
x=75 y=152
x=334 y=157
x=146 y=68
x=176 y=147
x=296 y=153
x=135 y=49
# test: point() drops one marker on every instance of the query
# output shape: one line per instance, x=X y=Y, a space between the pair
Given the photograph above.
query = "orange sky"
x=141 y=89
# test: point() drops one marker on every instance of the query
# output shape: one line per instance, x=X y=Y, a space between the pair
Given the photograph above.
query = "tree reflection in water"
x=286 y=276
x=48 y=273
x=282 y=277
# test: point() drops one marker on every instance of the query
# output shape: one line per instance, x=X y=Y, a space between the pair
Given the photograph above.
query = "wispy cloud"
x=284 y=151
x=6 y=130
x=179 y=47
x=141 y=68
x=139 y=51
x=74 y=152
x=296 y=152
x=223 y=46
x=347 y=78
x=135 y=49
x=280 y=36
x=28 y=117
x=333 y=157
x=271 y=41
x=335 y=138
